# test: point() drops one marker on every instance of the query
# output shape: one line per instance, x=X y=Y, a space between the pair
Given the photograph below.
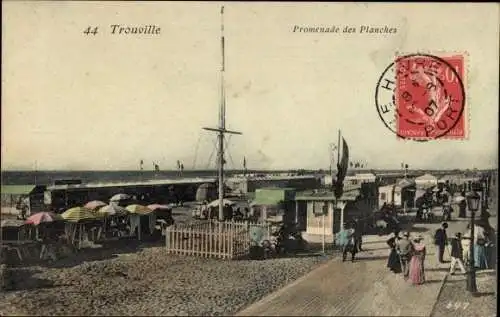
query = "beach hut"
x=404 y=193
x=274 y=204
x=385 y=195
x=320 y=214
x=32 y=196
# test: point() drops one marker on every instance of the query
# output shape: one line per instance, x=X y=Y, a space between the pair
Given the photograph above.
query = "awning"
x=17 y=189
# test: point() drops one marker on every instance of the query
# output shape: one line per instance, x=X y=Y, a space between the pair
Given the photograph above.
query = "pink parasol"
x=94 y=204
x=43 y=217
x=158 y=206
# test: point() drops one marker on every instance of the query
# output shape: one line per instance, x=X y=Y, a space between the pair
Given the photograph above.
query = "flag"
x=157 y=168
x=402 y=165
x=244 y=162
x=342 y=169
x=406 y=166
x=352 y=164
x=178 y=164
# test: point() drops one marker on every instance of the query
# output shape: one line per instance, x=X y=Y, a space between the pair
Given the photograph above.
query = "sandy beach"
x=139 y=278
x=145 y=280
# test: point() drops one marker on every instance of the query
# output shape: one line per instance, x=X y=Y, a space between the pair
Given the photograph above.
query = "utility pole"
x=221 y=130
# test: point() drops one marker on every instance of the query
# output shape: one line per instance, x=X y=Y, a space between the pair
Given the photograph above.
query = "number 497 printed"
x=457 y=305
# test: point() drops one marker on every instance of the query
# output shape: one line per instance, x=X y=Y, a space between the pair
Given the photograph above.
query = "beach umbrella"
x=215 y=203
x=43 y=217
x=138 y=209
x=119 y=197
x=11 y=223
x=158 y=206
x=112 y=210
x=77 y=214
x=95 y=204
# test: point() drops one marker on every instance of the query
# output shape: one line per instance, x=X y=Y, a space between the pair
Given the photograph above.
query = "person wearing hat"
x=417 y=273
x=393 y=262
x=456 y=254
x=441 y=240
x=404 y=248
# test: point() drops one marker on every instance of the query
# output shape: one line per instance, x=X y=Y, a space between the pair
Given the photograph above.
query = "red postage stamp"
x=430 y=97
x=422 y=97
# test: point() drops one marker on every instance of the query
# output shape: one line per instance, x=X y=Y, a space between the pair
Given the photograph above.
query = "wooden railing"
x=210 y=238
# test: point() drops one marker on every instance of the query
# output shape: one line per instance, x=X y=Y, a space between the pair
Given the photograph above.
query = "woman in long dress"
x=417 y=274
x=393 y=263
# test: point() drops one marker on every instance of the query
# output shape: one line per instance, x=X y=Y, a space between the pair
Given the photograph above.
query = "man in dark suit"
x=456 y=254
x=441 y=240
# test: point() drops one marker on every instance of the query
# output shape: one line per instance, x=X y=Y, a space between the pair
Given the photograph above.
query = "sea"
x=48 y=177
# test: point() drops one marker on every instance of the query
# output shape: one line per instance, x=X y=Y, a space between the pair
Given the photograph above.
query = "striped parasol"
x=138 y=209
x=77 y=214
x=112 y=210
x=95 y=204
x=43 y=217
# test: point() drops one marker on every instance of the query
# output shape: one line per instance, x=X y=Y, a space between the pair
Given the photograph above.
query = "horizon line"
x=243 y=170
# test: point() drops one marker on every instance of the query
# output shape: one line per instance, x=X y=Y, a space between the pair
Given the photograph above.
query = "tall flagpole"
x=222 y=121
x=338 y=150
x=221 y=129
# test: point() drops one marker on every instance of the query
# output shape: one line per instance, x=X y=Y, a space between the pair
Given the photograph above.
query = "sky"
x=104 y=101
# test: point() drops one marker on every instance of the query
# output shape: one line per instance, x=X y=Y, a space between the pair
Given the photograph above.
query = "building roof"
x=350 y=194
x=134 y=184
x=273 y=196
x=17 y=189
x=426 y=177
x=405 y=182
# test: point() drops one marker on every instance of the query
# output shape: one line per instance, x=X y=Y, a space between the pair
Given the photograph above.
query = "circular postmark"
x=421 y=96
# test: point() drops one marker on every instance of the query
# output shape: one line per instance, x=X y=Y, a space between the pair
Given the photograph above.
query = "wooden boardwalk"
x=363 y=288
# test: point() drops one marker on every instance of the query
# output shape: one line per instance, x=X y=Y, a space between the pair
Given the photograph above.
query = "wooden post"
x=323 y=240
x=167 y=238
x=80 y=235
x=296 y=212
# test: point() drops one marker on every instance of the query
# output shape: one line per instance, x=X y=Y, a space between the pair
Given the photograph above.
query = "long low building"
x=157 y=191
x=244 y=185
x=59 y=196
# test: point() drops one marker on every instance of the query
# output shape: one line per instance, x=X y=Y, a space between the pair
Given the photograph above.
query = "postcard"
x=241 y=158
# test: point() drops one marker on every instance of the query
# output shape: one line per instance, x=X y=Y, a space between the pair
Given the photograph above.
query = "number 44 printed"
x=457 y=305
x=90 y=30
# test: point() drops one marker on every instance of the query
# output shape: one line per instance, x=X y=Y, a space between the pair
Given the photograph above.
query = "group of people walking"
x=407 y=256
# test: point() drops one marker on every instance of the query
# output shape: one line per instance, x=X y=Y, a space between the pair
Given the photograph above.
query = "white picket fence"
x=211 y=238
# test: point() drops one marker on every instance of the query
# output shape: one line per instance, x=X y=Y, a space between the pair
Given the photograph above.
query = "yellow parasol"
x=77 y=214
x=138 y=209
